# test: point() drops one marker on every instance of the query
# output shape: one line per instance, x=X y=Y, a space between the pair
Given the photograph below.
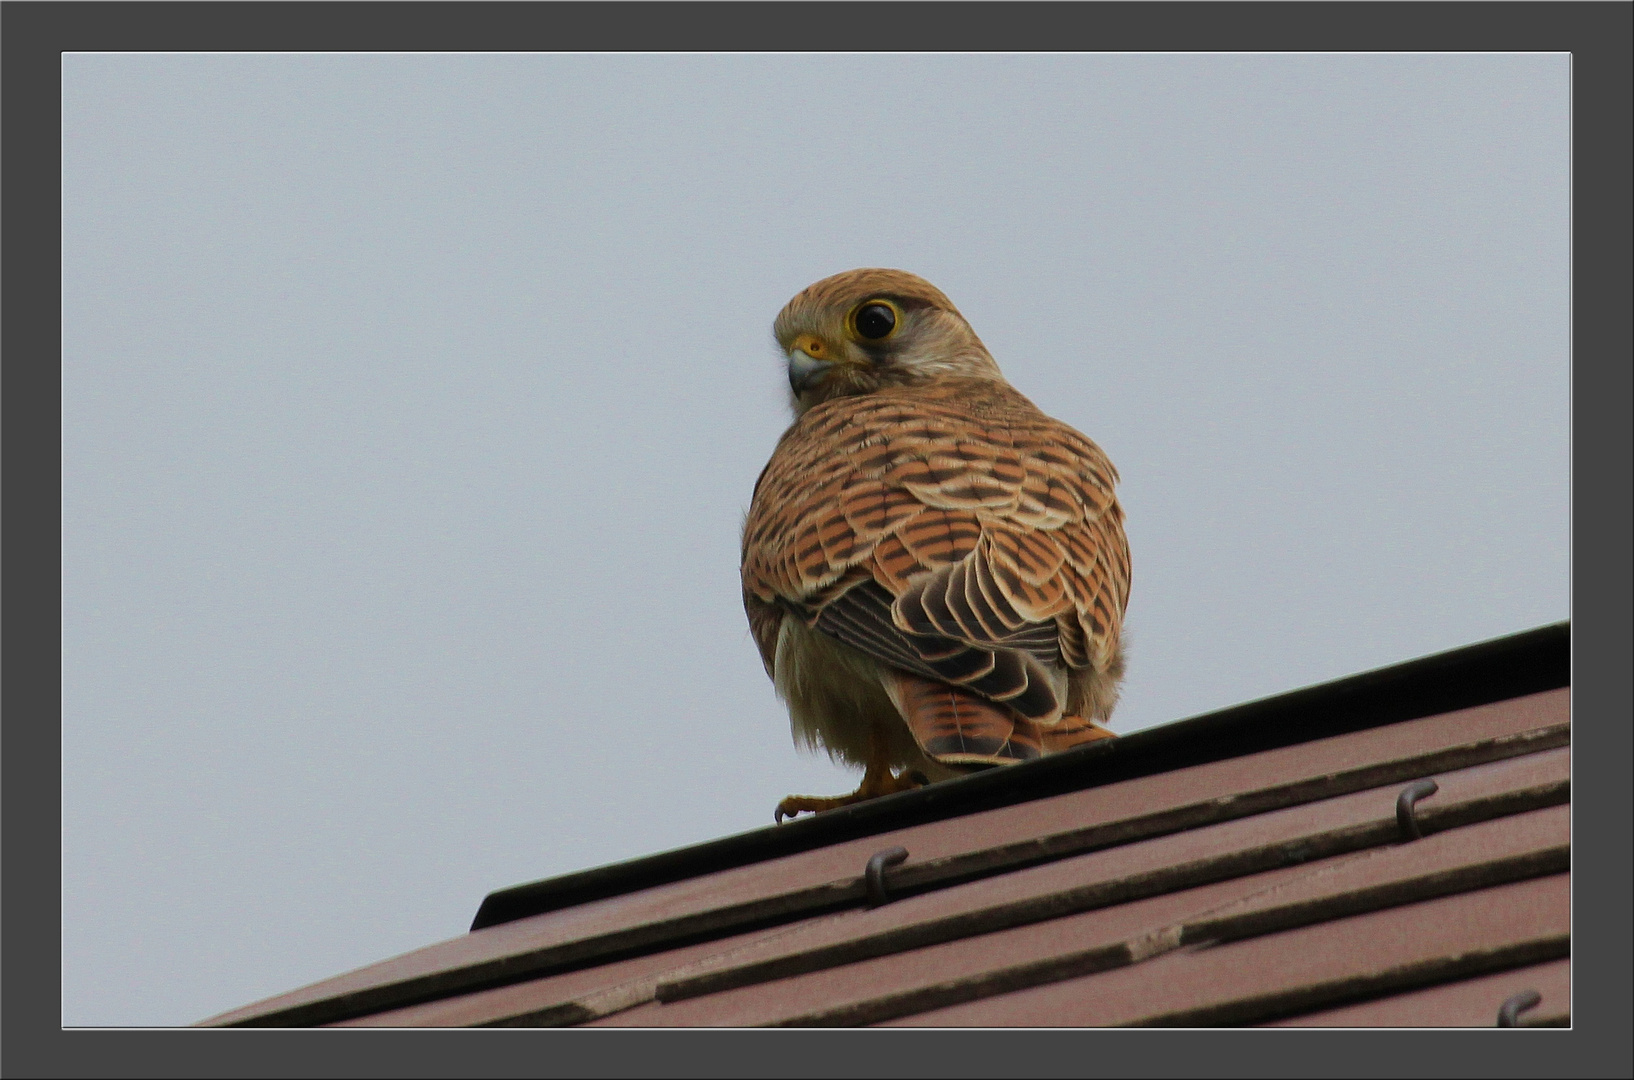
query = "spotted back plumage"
x=955 y=533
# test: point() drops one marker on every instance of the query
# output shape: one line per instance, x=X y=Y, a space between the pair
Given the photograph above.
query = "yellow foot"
x=872 y=788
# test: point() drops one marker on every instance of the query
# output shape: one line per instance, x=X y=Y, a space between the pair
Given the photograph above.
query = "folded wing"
x=958 y=535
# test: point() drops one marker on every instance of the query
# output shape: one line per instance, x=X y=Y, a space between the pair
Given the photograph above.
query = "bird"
x=935 y=572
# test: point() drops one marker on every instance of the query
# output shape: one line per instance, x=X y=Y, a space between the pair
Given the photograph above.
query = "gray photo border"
x=1597 y=34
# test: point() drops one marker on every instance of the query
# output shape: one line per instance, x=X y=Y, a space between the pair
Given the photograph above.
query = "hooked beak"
x=810 y=360
x=805 y=370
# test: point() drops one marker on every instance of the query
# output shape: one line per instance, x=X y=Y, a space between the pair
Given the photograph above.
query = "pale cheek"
x=909 y=365
x=861 y=382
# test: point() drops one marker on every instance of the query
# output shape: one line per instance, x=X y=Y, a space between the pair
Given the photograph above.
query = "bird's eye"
x=875 y=320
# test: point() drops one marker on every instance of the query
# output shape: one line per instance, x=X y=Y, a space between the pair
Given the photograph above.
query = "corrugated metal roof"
x=1258 y=865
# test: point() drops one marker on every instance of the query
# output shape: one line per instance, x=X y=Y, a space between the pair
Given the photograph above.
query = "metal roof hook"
x=1509 y=1013
x=1407 y=808
x=874 y=875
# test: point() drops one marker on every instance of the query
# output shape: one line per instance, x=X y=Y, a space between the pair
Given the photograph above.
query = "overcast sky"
x=411 y=406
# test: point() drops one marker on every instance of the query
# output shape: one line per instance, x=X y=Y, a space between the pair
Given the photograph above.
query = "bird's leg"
x=877 y=780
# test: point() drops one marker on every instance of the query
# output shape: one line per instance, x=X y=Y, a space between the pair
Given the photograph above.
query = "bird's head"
x=862 y=330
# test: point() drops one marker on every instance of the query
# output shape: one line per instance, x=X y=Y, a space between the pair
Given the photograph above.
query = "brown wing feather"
x=765 y=620
x=987 y=531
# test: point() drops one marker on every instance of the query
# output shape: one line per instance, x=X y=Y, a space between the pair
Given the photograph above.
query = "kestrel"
x=935 y=571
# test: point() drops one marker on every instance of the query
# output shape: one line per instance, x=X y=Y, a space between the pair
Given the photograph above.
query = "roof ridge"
x=1528 y=662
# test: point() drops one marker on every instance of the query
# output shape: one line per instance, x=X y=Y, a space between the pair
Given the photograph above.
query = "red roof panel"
x=1274 y=886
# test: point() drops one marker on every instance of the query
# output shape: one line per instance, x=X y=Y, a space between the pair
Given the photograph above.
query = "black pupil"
x=875 y=321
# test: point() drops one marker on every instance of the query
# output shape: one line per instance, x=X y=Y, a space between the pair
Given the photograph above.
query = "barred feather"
x=946 y=529
x=965 y=525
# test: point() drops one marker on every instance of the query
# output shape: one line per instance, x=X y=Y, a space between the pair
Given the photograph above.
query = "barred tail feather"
x=957 y=727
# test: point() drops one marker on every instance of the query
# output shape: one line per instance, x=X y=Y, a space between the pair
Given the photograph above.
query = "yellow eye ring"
x=874 y=320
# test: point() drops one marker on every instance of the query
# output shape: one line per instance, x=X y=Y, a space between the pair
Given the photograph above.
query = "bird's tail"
x=958 y=727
